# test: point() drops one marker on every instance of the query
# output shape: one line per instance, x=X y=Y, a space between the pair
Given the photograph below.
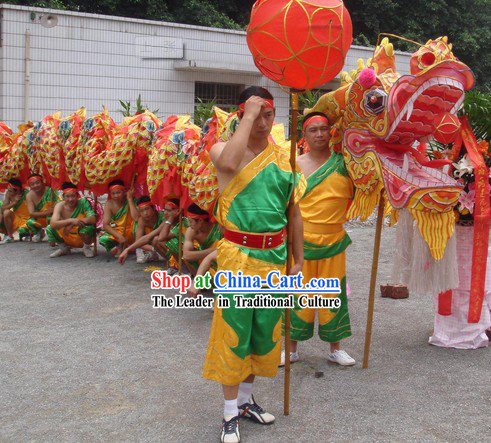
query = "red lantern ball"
x=300 y=44
x=447 y=127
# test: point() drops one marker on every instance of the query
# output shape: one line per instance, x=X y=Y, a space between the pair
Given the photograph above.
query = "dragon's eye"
x=428 y=59
x=375 y=101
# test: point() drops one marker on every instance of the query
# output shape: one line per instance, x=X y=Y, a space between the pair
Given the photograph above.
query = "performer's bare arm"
x=31 y=207
x=165 y=234
x=57 y=222
x=188 y=251
x=90 y=220
x=135 y=214
x=229 y=158
x=10 y=200
x=297 y=222
x=142 y=241
x=202 y=269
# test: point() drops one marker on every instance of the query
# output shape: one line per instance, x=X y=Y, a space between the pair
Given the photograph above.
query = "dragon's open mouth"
x=403 y=175
x=415 y=101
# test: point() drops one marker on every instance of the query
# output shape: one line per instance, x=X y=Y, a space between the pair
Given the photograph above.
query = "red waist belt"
x=266 y=240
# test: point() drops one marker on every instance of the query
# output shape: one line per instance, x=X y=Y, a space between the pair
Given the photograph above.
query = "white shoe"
x=6 y=239
x=341 y=358
x=39 y=236
x=64 y=250
x=140 y=256
x=88 y=251
x=254 y=412
x=294 y=357
x=230 y=430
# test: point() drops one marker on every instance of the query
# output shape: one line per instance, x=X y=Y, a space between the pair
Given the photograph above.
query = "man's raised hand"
x=253 y=107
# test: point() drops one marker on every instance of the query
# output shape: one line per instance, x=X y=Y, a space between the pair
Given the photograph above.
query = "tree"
x=465 y=22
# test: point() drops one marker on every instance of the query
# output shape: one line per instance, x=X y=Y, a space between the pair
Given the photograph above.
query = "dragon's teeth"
x=405 y=163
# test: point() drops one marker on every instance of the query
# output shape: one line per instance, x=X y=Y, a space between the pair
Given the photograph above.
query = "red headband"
x=172 y=205
x=267 y=105
x=314 y=119
x=34 y=177
x=197 y=216
x=68 y=190
x=145 y=204
x=17 y=188
x=117 y=187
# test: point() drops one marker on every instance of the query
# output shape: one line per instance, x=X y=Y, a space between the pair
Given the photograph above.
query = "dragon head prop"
x=379 y=116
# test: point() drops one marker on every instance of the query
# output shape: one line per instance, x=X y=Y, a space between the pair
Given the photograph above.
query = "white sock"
x=230 y=409
x=245 y=392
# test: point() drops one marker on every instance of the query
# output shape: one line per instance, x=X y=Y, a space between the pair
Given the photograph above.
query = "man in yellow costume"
x=255 y=184
x=324 y=208
x=72 y=224
x=41 y=200
x=14 y=211
x=119 y=213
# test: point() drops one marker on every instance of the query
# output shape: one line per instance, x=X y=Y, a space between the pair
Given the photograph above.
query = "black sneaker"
x=254 y=412
x=230 y=431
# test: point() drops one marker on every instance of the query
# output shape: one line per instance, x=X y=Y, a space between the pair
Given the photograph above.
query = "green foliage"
x=139 y=108
x=306 y=100
x=466 y=22
x=477 y=107
x=203 y=112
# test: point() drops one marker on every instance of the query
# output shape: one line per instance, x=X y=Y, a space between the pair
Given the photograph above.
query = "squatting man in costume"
x=255 y=183
x=14 y=212
x=41 y=200
x=324 y=208
x=118 y=222
x=72 y=224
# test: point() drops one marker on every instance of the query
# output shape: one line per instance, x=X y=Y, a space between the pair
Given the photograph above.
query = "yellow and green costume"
x=119 y=220
x=324 y=208
x=21 y=215
x=173 y=244
x=248 y=341
x=73 y=239
x=33 y=225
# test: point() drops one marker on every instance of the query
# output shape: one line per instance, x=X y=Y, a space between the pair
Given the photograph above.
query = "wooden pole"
x=95 y=238
x=373 y=279
x=179 y=246
x=126 y=216
x=289 y=262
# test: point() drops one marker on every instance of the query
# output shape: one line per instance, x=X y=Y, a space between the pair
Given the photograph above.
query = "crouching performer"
x=14 y=211
x=41 y=200
x=119 y=215
x=72 y=224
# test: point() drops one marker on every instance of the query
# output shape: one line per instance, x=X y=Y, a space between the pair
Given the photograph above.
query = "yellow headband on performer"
x=68 y=190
